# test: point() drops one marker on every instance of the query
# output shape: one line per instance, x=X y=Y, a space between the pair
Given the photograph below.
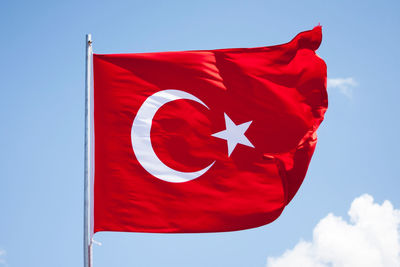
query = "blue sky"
x=42 y=124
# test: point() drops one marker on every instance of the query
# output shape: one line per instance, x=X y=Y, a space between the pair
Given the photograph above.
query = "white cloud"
x=2 y=257
x=345 y=85
x=370 y=239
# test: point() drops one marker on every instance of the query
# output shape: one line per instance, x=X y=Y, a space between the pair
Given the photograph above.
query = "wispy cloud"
x=345 y=85
x=2 y=257
x=370 y=239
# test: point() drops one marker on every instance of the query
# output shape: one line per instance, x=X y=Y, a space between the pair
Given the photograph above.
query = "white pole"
x=87 y=243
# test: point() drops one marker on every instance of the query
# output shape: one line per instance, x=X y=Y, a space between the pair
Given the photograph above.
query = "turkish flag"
x=204 y=141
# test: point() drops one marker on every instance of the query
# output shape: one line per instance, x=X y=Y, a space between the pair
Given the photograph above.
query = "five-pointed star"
x=234 y=134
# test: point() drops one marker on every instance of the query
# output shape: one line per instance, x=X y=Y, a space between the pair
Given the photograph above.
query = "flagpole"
x=87 y=243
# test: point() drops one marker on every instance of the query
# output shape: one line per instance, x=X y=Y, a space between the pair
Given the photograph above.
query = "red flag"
x=204 y=141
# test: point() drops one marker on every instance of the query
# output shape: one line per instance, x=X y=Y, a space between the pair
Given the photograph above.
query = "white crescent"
x=141 y=141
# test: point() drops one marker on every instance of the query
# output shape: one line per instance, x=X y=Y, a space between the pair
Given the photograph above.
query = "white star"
x=234 y=134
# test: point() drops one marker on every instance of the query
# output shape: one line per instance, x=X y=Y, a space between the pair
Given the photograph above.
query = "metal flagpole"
x=87 y=242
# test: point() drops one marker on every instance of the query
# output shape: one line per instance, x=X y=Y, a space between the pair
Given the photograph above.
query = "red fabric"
x=281 y=89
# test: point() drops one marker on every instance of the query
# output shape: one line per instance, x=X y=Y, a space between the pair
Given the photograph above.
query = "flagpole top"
x=89 y=39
